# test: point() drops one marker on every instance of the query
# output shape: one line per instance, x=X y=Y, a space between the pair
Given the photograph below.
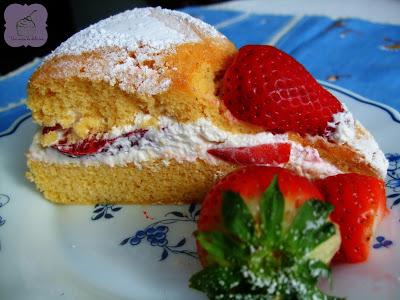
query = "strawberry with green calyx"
x=265 y=252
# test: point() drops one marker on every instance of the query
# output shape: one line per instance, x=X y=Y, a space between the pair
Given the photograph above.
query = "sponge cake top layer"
x=134 y=43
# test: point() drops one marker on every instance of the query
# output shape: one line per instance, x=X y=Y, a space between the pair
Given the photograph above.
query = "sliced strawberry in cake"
x=265 y=154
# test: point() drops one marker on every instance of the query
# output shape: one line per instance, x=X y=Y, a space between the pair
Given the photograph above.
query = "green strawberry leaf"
x=317 y=269
x=236 y=216
x=302 y=279
x=309 y=291
x=309 y=271
x=309 y=228
x=214 y=280
x=272 y=207
x=221 y=248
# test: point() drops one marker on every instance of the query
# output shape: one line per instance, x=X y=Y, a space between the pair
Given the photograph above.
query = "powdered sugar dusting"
x=155 y=28
x=131 y=47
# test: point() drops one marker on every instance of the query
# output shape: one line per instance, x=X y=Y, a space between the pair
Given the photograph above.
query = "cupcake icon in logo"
x=25 y=25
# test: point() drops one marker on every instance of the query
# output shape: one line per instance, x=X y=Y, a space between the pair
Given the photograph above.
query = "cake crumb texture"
x=92 y=105
x=153 y=183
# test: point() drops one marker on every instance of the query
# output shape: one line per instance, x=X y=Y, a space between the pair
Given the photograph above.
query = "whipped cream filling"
x=183 y=142
x=349 y=131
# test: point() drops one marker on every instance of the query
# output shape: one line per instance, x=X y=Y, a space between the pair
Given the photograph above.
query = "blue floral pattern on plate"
x=393 y=183
x=4 y=199
x=382 y=242
x=156 y=234
x=104 y=211
x=393 y=178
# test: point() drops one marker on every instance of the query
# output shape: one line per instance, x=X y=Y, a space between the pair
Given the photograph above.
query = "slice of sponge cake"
x=130 y=109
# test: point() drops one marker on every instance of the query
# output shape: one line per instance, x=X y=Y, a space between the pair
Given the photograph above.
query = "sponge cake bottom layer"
x=153 y=183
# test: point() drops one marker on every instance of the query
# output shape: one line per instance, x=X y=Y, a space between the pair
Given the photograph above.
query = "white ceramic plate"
x=147 y=252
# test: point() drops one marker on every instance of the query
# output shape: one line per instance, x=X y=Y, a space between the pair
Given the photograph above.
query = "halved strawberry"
x=360 y=204
x=267 y=87
x=260 y=235
x=271 y=154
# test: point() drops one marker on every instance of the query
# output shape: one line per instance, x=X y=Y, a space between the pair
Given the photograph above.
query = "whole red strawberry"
x=267 y=87
x=251 y=182
x=360 y=204
x=260 y=235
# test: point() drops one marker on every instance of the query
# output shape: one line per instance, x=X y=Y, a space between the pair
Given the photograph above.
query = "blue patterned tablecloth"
x=355 y=54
